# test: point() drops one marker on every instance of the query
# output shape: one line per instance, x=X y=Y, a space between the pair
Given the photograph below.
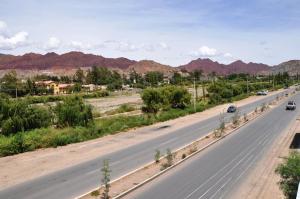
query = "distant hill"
x=209 y=66
x=66 y=64
x=50 y=61
x=292 y=67
x=145 y=66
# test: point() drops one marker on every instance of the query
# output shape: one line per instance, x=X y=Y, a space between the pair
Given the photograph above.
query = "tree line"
x=20 y=116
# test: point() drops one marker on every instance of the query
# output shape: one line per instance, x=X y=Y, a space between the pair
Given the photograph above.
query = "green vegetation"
x=289 y=171
x=73 y=112
x=169 y=158
x=157 y=156
x=156 y=99
x=17 y=116
x=26 y=126
x=122 y=109
x=55 y=98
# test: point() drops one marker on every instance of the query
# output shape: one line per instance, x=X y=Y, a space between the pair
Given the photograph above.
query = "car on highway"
x=291 y=105
x=263 y=92
x=231 y=109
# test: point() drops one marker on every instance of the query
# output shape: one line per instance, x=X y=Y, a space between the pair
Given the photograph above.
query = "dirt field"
x=109 y=103
x=22 y=167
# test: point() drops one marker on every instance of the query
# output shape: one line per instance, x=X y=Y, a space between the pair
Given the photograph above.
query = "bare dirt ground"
x=109 y=103
x=262 y=181
x=22 y=167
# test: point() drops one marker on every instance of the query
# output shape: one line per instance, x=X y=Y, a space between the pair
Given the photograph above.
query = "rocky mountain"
x=292 y=67
x=209 y=66
x=51 y=61
x=145 y=66
x=66 y=64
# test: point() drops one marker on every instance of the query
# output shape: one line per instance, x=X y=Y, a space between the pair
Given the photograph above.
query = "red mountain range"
x=73 y=60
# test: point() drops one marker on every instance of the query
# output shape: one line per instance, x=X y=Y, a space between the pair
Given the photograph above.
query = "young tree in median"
x=106 y=179
x=289 y=171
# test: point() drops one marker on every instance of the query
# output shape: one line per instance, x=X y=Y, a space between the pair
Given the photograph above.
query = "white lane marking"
x=224 y=184
x=228 y=172
x=253 y=146
x=167 y=142
x=213 y=175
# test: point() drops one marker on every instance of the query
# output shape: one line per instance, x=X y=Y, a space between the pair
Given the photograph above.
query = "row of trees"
x=163 y=98
x=19 y=115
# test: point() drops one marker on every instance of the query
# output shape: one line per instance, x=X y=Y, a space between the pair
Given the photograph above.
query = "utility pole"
x=194 y=95
x=247 y=86
x=273 y=81
x=16 y=92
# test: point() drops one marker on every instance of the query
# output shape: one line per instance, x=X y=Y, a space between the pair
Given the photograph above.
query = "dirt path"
x=262 y=181
x=22 y=167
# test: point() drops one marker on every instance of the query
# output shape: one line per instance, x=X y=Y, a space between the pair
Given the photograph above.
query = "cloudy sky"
x=168 y=31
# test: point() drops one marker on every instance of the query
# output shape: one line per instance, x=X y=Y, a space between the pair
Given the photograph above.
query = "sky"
x=172 y=32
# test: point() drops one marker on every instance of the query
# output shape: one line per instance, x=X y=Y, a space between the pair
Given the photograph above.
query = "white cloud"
x=204 y=51
x=18 y=40
x=126 y=47
x=80 y=46
x=163 y=45
x=52 y=44
x=227 y=55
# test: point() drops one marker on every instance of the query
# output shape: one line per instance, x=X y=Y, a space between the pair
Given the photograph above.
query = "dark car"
x=231 y=109
x=291 y=105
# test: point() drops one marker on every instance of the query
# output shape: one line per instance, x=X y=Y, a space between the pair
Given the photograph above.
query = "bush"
x=165 y=98
x=157 y=156
x=73 y=112
x=16 y=116
x=152 y=99
x=289 y=171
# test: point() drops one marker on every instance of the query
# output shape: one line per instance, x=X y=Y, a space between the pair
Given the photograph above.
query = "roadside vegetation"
x=26 y=125
x=289 y=172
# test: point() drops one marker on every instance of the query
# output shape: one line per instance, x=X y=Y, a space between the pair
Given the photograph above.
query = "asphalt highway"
x=78 y=179
x=215 y=172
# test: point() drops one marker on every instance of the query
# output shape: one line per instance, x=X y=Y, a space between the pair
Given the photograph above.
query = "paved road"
x=214 y=173
x=78 y=179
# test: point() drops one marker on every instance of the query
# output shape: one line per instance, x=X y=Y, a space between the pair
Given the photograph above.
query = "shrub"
x=73 y=112
x=157 y=156
x=152 y=99
x=169 y=158
x=289 y=171
x=17 y=116
x=183 y=156
x=236 y=118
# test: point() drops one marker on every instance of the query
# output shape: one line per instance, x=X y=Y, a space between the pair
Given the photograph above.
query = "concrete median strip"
x=191 y=149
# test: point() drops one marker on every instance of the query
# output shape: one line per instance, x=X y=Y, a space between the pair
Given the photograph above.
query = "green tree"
x=153 y=78
x=289 y=171
x=152 y=99
x=79 y=76
x=176 y=79
x=9 y=83
x=17 y=116
x=73 y=112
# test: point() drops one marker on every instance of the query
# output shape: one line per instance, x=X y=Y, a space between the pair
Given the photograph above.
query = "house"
x=49 y=85
x=89 y=87
x=64 y=88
